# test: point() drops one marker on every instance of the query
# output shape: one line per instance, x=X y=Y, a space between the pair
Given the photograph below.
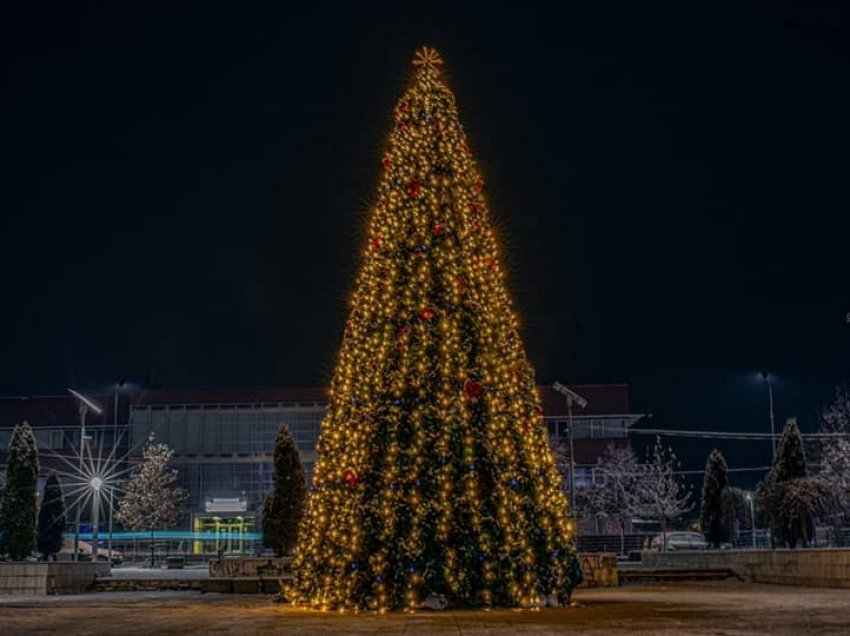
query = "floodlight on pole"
x=571 y=397
x=85 y=405
x=570 y=394
x=87 y=402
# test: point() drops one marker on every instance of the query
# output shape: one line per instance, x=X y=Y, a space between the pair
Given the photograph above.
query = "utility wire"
x=726 y=434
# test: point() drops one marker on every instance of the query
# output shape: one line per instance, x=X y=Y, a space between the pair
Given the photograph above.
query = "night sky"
x=184 y=191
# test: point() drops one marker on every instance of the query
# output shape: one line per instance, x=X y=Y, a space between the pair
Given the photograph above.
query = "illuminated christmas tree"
x=434 y=475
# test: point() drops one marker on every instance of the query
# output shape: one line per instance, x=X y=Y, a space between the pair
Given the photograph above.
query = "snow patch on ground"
x=191 y=573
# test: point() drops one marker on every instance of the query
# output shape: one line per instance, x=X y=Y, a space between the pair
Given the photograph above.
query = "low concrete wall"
x=600 y=569
x=23 y=578
x=39 y=578
x=251 y=567
x=810 y=568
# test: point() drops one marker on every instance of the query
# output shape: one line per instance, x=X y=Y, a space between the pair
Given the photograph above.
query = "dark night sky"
x=183 y=191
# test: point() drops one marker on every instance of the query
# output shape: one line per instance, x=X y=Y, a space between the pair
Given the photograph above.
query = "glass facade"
x=584 y=427
x=225 y=450
x=55 y=438
x=223 y=443
x=226 y=429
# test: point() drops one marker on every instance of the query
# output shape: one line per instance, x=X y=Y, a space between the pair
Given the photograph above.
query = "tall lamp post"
x=85 y=406
x=95 y=484
x=571 y=397
x=118 y=387
x=768 y=381
x=749 y=498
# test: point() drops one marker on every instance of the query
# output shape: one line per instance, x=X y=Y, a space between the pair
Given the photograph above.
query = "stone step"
x=109 y=584
x=641 y=575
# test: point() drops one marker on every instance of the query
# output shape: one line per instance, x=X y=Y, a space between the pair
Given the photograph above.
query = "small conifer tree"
x=790 y=462
x=713 y=518
x=789 y=500
x=19 y=509
x=51 y=518
x=284 y=506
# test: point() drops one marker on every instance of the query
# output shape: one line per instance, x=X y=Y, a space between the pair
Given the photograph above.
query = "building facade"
x=223 y=440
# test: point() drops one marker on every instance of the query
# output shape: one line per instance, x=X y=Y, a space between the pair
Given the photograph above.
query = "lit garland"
x=434 y=472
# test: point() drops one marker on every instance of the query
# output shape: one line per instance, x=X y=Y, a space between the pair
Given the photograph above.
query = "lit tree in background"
x=434 y=475
x=283 y=507
x=615 y=492
x=835 y=450
x=663 y=496
x=151 y=501
x=18 y=510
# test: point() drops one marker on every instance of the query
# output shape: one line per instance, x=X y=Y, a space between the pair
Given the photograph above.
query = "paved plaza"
x=722 y=608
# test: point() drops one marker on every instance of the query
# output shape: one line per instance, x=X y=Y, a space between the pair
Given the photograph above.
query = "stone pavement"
x=682 y=608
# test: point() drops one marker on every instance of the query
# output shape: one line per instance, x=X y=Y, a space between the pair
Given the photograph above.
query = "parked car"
x=85 y=551
x=680 y=541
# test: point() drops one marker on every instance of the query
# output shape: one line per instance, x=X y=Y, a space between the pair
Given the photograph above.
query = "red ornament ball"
x=472 y=390
x=427 y=314
x=376 y=243
x=438 y=229
x=413 y=188
x=350 y=478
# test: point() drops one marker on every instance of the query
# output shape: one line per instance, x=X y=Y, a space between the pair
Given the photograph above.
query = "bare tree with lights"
x=663 y=497
x=615 y=492
x=151 y=501
x=835 y=450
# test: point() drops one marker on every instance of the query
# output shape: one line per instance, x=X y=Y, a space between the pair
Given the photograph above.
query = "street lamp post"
x=115 y=438
x=109 y=523
x=571 y=397
x=78 y=512
x=85 y=405
x=749 y=498
x=767 y=379
x=95 y=483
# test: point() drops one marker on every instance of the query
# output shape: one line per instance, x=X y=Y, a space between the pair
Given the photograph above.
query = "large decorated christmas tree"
x=434 y=475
